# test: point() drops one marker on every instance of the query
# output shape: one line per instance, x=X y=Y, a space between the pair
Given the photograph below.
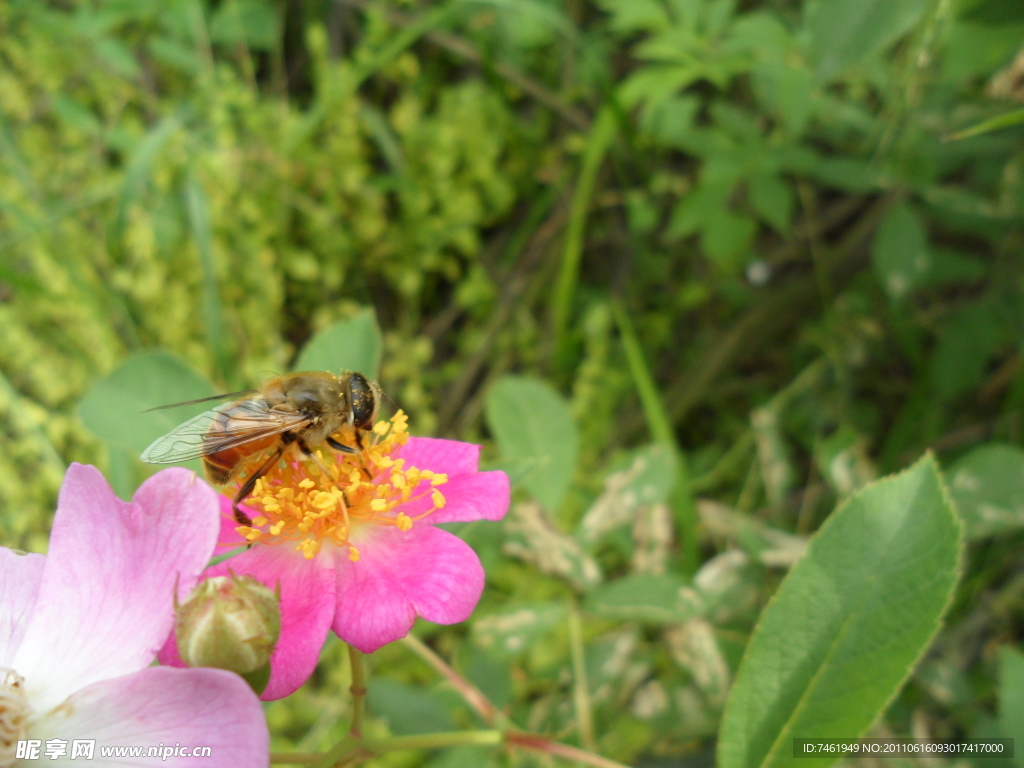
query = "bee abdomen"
x=216 y=474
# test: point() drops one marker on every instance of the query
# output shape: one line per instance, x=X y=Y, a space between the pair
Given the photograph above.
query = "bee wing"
x=225 y=427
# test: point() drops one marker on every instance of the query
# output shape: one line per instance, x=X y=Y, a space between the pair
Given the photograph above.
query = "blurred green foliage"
x=786 y=232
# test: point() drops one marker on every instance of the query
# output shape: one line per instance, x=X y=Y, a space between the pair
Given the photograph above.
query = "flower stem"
x=434 y=740
x=473 y=695
x=358 y=688
x=354 y=749
x=580 y=693
x=351 y=750
x=540 y=744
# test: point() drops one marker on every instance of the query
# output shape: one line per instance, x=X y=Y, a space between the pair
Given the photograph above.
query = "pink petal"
x=230 y=538
x=480 y=496
x=424 y=571
x=20 y=576
x=307 y=607
x=169 y=707
x=105 y=601
x=451 y=457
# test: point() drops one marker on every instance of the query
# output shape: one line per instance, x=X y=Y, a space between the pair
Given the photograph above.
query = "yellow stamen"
x=297 y=502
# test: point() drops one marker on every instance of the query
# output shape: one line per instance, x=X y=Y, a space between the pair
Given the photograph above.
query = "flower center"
x=298 y=502
x=14 y=712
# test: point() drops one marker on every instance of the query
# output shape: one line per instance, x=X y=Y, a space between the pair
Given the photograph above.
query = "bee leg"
x=349 y=449
x=359 y=439
x=341 y=447
x=245 y=490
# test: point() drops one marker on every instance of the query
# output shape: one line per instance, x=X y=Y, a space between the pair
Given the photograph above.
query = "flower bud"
x=229 y=622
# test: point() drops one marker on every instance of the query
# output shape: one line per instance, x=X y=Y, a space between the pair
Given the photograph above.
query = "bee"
x=302 y=409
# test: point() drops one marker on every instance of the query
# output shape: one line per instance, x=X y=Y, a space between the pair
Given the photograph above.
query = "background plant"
x=694 y=271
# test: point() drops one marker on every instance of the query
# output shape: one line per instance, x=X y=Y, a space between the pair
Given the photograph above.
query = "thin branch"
x=358 y=689
x=540 y=744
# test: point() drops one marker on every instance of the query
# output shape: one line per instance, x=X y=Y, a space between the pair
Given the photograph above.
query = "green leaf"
x=258 y=678
x=847 y=624
x=407 y=709
x=726 y=237
x=532 y=537
x=253 y=22
x=636 y=15
x=987 y=486
x=996 y=12
x=348 y=345
x=172 y=53
x=772 y=199
x=647 y=480
x=125 y=472
x=516 y=628
x=1011 y=698
x=1016 y=117
x=117 y=56
x=646 y=597
x=532 y=421
x=845 y=32
x=950 y=266
x=140 y=170
x=966 y=342
x=198 y=206
x=900 y=256
x=113 y=408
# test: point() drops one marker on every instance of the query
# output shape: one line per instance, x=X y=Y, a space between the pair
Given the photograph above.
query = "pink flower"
x=359 y=553
x=80 y=627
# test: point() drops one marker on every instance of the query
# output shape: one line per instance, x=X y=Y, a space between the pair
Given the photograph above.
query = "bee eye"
x=363 y=401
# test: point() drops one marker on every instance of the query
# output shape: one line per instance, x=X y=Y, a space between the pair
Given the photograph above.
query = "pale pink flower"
x=80 y=627
x=369 y=574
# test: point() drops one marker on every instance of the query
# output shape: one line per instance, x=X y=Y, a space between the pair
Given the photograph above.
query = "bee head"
x=363 y=399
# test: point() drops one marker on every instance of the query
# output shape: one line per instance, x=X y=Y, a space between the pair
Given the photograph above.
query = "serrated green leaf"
x=987 y=486
x=353 y=345
x=113 y=410
x=647 y=597
x=848 y=623
x=532 y=421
